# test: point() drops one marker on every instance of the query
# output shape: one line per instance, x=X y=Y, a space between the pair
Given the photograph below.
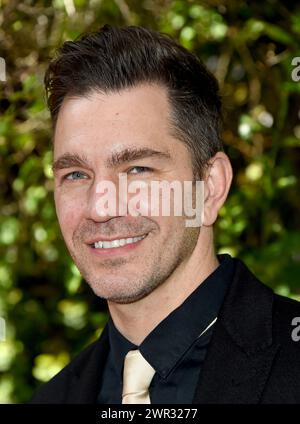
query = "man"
x=186 y=325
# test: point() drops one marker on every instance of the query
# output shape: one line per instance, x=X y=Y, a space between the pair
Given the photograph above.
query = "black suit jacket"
x=251 y=358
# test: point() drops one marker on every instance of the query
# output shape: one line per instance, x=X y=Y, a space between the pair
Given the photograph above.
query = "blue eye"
x=139 y=169
x=75 y=175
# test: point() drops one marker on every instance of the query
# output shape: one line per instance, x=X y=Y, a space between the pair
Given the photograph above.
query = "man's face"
x=96 y=138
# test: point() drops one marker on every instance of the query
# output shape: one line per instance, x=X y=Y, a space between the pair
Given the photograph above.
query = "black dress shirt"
x=174 y=348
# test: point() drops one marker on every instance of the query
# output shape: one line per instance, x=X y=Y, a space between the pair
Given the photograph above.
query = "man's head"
x=124 y=100
x=113 y=59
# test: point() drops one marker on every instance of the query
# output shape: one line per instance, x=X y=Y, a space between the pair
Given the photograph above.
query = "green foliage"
x=49 y=311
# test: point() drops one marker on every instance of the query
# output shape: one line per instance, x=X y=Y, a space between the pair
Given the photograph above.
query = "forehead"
x=137 y=116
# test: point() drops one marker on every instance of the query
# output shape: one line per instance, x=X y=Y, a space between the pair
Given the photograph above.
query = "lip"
x=94 y=240
x=114 y=251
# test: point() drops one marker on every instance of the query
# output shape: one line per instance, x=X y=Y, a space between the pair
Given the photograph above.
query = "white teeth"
x=117 y=242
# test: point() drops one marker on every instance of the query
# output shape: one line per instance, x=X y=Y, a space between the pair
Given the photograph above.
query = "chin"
x=125 y=294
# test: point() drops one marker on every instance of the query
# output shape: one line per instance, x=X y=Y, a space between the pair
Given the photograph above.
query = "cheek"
x=172 y=228
x=69 y=212
x=152 y=202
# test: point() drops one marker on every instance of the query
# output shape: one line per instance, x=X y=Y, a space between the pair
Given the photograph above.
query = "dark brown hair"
x=114 y=58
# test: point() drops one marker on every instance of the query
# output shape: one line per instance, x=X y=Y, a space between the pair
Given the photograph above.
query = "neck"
x=136 y=320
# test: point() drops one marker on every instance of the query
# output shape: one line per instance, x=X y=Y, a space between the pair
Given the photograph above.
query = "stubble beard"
x=118 y=288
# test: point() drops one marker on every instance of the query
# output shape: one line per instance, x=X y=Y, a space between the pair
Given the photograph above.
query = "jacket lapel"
x=241 y=351
x=87 y=374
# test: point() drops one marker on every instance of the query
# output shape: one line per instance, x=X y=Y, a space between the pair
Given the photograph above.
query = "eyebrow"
x=131 y=154
x=69 y=160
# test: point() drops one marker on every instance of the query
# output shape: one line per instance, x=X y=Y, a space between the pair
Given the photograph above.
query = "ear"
x=217 y=181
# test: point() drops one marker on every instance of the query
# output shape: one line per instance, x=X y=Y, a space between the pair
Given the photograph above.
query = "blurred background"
x=252 y=47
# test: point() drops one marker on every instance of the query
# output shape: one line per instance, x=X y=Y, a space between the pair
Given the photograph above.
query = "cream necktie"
x=137 y=377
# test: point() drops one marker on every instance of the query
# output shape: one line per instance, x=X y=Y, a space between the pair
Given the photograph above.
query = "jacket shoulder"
x=284 y=381
x=286 y=317
x=57 y=387
x=286 y=304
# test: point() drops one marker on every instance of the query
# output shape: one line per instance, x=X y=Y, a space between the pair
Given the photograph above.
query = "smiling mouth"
x=117 y=242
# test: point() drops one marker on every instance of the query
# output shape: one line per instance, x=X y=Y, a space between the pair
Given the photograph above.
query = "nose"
x=104 y=201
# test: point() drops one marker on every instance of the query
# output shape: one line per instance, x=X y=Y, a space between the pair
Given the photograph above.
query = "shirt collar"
x=173 y=336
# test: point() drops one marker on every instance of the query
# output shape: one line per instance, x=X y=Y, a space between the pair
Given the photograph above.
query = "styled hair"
x=114 y=58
